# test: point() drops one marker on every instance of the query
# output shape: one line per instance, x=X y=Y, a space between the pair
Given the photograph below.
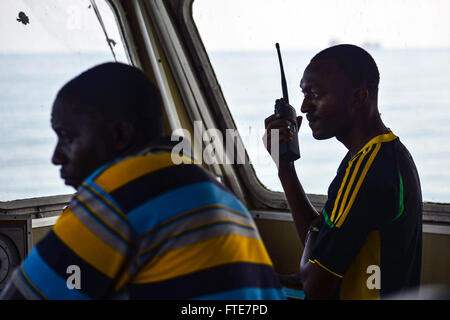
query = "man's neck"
x=358 y=136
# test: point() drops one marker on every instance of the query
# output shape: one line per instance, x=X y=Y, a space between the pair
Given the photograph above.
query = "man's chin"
x=320 y=135
x=71 y=183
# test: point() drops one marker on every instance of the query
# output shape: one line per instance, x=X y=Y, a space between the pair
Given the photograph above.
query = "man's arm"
x=317 y=282
x=302 y=210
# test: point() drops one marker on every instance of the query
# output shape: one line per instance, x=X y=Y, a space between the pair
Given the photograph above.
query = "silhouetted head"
x=109 y=111
x=357 y=64
x=340 y=86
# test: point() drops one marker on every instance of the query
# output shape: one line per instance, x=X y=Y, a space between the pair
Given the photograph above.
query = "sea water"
x=414 y=101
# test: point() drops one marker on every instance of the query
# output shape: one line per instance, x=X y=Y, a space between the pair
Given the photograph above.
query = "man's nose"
x=306 y=106
x=58 y=157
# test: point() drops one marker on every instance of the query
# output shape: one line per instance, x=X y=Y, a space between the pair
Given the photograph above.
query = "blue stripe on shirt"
x=47 y=281
x=178 y=201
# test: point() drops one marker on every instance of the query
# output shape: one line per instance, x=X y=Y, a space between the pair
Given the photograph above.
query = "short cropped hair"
x=356 y=63
x=116 y=91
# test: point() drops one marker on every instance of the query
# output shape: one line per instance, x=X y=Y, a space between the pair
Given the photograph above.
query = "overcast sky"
x=296 y=24
x=241 y=24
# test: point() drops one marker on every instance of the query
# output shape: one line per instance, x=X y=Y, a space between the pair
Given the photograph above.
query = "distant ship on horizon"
x=371 y=45
x=365 y=44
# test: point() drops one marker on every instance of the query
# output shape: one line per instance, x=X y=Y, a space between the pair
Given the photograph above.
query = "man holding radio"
x=371 y=224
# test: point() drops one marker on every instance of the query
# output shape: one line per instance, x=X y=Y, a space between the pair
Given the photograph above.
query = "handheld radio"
x=289 y=150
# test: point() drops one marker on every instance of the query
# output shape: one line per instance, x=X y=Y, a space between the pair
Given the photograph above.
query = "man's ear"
x=360 y=97
x=123 y=133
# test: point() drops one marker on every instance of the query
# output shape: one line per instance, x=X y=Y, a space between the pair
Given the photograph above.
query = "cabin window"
x=43 y=45
x=409 y=40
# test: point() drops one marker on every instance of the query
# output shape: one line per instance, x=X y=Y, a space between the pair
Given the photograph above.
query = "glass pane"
x=409 y=40
x=44 y=44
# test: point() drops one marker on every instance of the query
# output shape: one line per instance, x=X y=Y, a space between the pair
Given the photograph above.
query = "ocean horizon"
x=414 y=101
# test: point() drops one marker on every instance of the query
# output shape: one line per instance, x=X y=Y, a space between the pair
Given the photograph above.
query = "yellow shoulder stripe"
x=343 y=214
x=341 y=188
x=342 y=205
x=203 y=255
x=350 y=184
x=387 y=137
x=128 y=170
x=87 y=245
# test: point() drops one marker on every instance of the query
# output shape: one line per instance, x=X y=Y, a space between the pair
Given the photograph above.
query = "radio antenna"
x=283 y=78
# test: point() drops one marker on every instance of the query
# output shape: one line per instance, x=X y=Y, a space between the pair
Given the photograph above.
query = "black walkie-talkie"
x=289 y=151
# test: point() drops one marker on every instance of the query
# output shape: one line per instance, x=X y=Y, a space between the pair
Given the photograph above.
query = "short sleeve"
x=336 y=247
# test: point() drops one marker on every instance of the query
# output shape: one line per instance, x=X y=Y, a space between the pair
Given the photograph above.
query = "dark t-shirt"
x=371 y=234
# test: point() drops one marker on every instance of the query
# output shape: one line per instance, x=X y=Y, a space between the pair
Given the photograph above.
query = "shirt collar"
x=385 y=137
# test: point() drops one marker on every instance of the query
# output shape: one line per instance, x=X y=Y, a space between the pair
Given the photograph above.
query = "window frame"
x=174 y=21
x=256 y=193
x=48 y=205
x=262 y=200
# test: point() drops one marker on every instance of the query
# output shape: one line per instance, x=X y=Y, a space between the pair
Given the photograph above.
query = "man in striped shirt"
x=138 y=227
x=367 y=241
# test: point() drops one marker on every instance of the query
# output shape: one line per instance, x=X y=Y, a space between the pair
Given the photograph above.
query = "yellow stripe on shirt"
x=340 y=220
x=350 y=184
x=131 y=169
x=347 y=190
x=340 y=208
x=87 y=245
x=336 y=202
x=194 y=228
x=387 y=137
x=325 y=268
x=203 y=255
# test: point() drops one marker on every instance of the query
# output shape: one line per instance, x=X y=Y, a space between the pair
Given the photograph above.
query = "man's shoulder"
x=156 y=157
x=393 y=160
x=383 y=169
x=152 y=168
x=154 y=171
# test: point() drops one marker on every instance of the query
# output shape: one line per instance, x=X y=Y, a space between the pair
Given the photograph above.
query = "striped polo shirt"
x=371 y=232
x=144 y=228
